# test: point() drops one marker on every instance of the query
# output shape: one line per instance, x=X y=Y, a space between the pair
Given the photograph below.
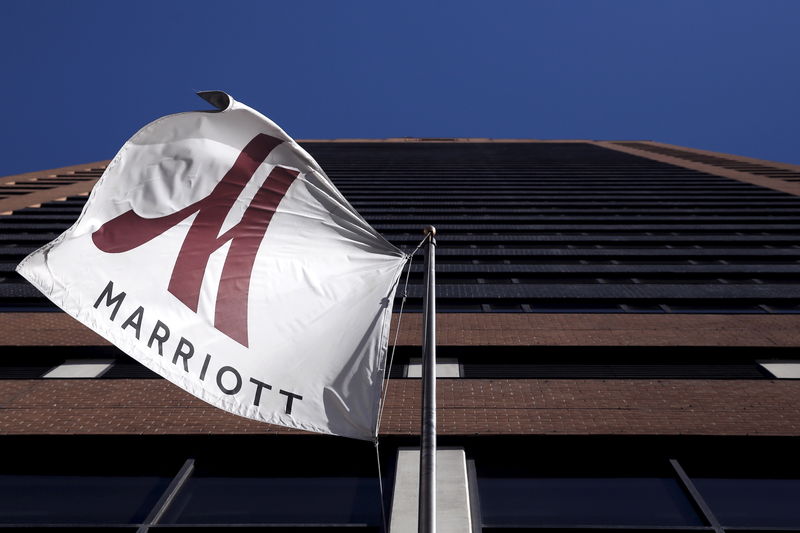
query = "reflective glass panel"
x=752 y=502
x=78 y=499
x=643 y=501
x=277 y=500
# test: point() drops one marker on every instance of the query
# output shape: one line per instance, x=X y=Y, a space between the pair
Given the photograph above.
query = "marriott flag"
x=215 y=251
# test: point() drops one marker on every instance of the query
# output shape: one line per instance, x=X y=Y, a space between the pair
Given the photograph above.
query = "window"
x=78 y=499
x=752 y=502
x=176 y=483
x=585 y=501
x=277 y=500
x=782 y=369
x=80 y=368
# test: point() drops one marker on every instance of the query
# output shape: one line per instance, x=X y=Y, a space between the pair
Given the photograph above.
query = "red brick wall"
x=466 y=407
x=497 y=329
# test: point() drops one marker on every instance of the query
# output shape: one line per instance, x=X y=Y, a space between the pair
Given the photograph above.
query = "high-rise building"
x=618 y=336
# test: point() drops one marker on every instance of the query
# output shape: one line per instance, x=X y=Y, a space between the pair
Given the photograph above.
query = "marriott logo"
x=129 y=231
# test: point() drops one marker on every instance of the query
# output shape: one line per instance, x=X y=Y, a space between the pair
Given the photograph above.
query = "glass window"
x=782 y=369
x=78 y=499
x=277 y=500
x=635 y=501
x=752 y=502
x=80 y=368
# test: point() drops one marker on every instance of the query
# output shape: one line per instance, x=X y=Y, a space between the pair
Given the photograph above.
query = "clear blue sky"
x=79 y=77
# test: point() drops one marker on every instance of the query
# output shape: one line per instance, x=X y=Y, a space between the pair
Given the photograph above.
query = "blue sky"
x=80 y=77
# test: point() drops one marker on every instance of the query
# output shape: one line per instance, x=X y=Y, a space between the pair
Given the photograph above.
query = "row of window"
x=454 y=368
x=637 y=502
x=517 y=488
x=526 y=305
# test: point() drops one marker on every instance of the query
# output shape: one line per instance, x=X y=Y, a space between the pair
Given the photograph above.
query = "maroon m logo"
x=129 y=231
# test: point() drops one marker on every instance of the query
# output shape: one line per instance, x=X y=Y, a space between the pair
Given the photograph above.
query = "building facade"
x=618 y=334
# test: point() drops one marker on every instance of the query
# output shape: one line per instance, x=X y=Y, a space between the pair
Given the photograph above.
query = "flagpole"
x=427 y=457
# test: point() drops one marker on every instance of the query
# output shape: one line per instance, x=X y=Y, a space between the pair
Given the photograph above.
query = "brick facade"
x=465 y=407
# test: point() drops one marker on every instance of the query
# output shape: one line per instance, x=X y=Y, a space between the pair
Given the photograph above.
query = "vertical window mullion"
x=697 y=498
x=474 y=497
x=169 y=495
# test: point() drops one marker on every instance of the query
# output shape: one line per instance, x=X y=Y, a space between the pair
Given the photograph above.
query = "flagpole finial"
x=429 y=230
x=218 y=99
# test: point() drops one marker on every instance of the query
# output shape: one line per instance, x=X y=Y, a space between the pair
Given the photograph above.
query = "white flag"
x=215 y=251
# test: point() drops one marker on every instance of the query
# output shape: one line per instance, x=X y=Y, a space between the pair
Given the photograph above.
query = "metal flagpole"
x=427 y=456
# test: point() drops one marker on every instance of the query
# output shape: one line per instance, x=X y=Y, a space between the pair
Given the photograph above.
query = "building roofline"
x=782 y=177
x=744 y=169
x=52 y=172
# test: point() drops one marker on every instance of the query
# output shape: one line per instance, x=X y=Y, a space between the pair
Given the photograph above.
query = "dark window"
x=277 y=500
x=752 y=502
x=643 y=501
x=48 y=499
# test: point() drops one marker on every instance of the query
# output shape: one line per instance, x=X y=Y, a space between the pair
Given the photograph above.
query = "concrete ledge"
x=452 y=492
